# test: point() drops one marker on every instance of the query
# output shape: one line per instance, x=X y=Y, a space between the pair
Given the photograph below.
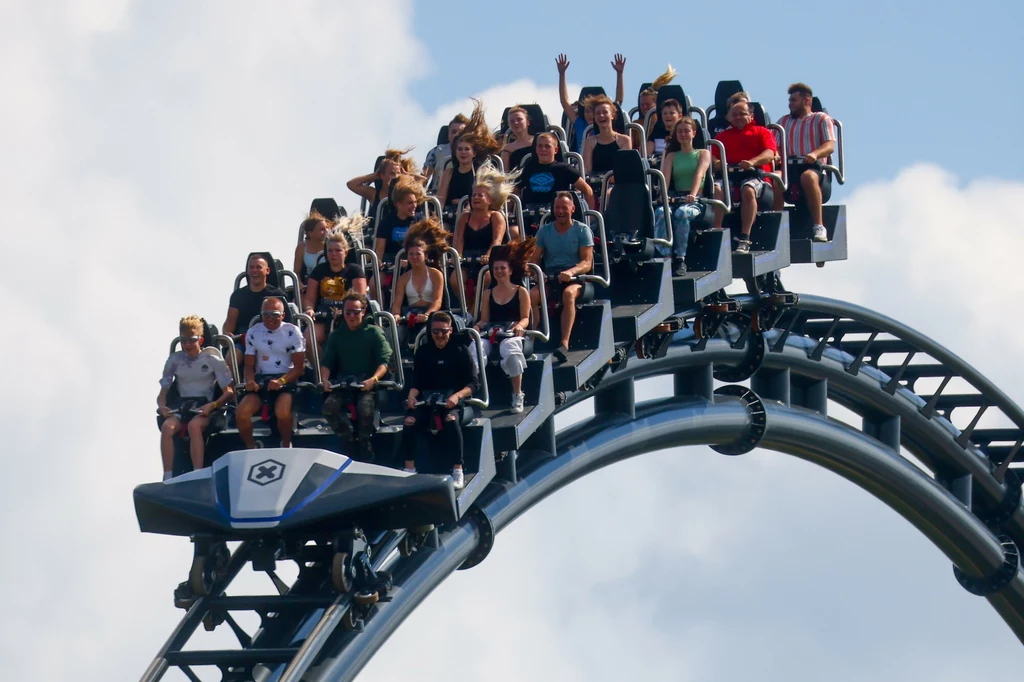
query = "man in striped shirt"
x=810 y=138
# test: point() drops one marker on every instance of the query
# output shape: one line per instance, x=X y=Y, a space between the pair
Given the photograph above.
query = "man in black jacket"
x=440 y=366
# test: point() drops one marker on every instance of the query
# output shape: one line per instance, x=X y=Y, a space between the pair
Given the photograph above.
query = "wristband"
x=283 y=381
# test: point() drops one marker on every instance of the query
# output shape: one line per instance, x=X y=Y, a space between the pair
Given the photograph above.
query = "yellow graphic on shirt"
x=332 y=288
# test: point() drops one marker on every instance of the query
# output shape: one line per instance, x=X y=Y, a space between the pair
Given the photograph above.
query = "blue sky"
x=911 y=81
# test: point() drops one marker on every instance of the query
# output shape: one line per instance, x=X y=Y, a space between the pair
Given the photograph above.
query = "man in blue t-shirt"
x=565 y=249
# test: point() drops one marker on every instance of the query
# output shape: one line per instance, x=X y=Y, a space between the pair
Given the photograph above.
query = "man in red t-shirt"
x=749 y=147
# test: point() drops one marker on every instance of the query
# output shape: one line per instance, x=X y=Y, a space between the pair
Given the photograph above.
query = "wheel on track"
x=350 y=621
x=366 y=598
x=341 y=572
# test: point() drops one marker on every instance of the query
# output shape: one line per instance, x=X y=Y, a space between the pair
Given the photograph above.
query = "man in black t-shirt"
x=439 y=366
x=247 y=301
x=543 y=177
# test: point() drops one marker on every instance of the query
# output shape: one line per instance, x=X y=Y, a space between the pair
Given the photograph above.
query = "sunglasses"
x=190 y=339
x=440 y=331
x=276 y=314
x=353 y=312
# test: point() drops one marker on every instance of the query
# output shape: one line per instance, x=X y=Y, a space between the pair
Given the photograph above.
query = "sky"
x=155 y=144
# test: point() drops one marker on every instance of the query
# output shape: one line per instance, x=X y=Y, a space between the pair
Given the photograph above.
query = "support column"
x=810 y=393
x=619 y=398
x=772 y=384
x=698 y=381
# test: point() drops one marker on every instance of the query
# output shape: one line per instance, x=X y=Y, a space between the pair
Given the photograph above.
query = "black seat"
x=665 y=93
x=538 y=121
x=442 y=135
x=328 y=208
x=817 y=106
x=759 y=114
x=629 y=214
x=723 y=92
x=273 y=277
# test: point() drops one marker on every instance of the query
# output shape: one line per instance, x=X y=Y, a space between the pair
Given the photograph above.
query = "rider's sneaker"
x=458 y=479
x=742 y=246
x=820 y=235
x=409 y=471
x=517 y=403
x=183 y=597
x=678 y=267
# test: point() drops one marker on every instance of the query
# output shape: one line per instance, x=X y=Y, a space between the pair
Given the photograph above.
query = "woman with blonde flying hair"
x=331 y=280
x=522 y=141
x=420 y=289
x=483 y=226
x=472 y=147
x=374 y=186
x=649 y=97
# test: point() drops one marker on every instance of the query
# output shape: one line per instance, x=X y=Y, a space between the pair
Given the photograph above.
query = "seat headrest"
x=442 y=135
x=817 y=106
x=273 y=278
x=629 y=166
x=538 y=121
x=760 y=116
x=578 y=206
x=672 y=91
x=723 y=92
x=328 y=208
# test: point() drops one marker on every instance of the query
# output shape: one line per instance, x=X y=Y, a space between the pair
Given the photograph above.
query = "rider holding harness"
x=275 y=356
x=196 y=372
x=355 y=352
x=440 y=367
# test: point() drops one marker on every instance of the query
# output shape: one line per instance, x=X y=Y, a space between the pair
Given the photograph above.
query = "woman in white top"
x=315 y=228
x=420 y=289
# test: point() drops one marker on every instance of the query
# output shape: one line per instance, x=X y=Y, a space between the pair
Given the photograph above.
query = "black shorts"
x=270 y=397
x=794 y=193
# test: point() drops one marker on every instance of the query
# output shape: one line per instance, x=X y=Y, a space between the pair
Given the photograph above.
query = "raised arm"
x=562 y=62
x=360 y=187
x=619 y=64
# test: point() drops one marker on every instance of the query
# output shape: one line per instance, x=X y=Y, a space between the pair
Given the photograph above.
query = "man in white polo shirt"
x=275 y=356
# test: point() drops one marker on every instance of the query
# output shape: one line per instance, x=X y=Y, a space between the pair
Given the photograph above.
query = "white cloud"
x=152 y=146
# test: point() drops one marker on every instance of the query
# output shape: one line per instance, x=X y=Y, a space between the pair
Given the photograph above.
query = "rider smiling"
x=196 y=373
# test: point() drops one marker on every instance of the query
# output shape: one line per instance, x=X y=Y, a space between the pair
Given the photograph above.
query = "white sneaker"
x=458 y=479
x=820 y=235
x=742 y=246
x=517 y=403
x=410 y=471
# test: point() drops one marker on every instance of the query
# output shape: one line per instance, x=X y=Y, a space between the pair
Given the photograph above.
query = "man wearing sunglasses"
x=196 y=373
x=439 y=366
x=361 y=351
x=275 y=356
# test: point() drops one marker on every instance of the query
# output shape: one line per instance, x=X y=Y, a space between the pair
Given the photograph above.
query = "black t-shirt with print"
x=541 y=182
x=393 y=229
x=334 y=285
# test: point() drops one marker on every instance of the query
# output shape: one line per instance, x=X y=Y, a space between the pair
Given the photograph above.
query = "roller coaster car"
x=642 y=295
x=287 y=499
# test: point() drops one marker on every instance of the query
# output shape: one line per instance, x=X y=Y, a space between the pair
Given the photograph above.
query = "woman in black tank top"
x=519 y=128
x=599 y=150
x=483 y=226
x=507 y=305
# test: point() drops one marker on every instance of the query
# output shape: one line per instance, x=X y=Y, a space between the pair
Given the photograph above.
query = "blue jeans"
x=681 y=218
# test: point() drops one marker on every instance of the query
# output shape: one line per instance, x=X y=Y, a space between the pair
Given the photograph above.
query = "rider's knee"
x=170 y=426
x=809 y=178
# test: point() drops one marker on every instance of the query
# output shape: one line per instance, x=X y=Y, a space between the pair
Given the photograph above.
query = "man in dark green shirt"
x=354 y=351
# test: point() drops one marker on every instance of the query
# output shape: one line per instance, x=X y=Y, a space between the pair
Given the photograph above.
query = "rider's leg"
x=283 y=413
x=196 y=438
x=248 y=406
x=167 y=432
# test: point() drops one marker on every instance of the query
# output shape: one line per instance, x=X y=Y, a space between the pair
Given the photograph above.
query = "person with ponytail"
x=472 y=147
x=314 y=234
x=331 y=280
x=483 y=226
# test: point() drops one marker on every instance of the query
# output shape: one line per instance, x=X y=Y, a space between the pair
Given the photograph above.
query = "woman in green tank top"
x=686 y=167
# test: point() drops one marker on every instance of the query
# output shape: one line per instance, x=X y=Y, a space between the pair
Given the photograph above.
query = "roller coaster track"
x=962 y=492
